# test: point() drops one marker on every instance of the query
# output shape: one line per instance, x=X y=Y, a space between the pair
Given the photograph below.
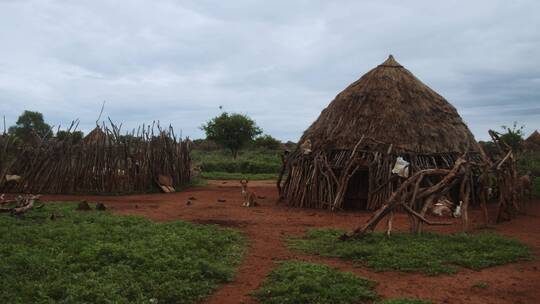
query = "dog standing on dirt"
x=250 y=199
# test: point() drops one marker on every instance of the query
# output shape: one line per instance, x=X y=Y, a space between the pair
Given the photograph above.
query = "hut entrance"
x=356 y=196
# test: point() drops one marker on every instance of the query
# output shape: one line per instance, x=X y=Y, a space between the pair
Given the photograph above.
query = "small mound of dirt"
x=83 y=206
x=101 y=207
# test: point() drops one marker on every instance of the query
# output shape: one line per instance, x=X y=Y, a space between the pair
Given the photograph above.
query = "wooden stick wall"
x=109 y=163
x=320 y=179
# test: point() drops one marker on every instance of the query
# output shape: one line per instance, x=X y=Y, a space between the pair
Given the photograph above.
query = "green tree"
x=267 y=142
x=75 y=137
x=513 y=136
x=28 y=126
x=232 y=131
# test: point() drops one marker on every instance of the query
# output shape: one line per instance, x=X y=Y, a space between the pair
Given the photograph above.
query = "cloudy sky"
x=280 y=62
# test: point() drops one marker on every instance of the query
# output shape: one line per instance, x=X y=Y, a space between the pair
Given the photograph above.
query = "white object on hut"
x=401 y=167
x=14 y=178
x=457 y=212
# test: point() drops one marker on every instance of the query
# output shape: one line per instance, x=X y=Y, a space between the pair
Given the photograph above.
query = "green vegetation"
x=267 y=142
x=296 y=282
x=95 y=257
x=248 y=176
x=28 y=125
x=250 y=164
x=513 y=136
x=428 y=252
x=232 y=131
x=406 y=301
x=74 y=137
x=530 y=162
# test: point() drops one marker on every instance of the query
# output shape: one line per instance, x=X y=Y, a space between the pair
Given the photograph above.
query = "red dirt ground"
x=266 y=227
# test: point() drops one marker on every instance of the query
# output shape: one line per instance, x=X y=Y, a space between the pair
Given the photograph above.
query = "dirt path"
x=267 y=225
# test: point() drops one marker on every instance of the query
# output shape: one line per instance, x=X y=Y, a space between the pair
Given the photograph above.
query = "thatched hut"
x=97 y=135
x=346 y=157
x=532 y=143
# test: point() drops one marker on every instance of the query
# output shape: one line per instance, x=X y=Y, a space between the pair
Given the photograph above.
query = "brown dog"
x=249 y=196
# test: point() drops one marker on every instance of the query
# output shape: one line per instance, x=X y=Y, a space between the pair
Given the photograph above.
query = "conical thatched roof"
x=389 y=104
x=533 y=141
x=94 y=136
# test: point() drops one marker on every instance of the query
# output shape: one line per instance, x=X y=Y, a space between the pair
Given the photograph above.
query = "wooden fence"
x=105 y=163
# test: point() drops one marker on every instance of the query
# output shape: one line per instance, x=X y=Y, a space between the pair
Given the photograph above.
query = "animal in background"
x=443 y=207
x=525 y=185
x=446 y=208
x=250 y=199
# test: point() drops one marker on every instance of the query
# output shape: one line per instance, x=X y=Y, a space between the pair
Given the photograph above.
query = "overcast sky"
x=280 y=62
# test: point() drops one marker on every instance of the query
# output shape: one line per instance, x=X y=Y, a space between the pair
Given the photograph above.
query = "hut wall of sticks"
x=347 y=157
x=103 y=162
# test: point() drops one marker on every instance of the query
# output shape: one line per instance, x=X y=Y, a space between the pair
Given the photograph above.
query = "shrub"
x=95 y=257
x=296 y=282
x=243 y=166
x=267 y=142
x=428 y=252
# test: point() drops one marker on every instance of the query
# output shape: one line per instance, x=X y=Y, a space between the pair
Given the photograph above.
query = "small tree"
x=28 y=126
x=231 y=131
x=513 y=136
x=267 y=142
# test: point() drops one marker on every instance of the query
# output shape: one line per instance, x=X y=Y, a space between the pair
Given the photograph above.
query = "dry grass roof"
x=533 y=141
x=391 y=105
x=95 y=135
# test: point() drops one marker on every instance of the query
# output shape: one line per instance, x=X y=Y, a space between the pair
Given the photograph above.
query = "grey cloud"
x=281 y=62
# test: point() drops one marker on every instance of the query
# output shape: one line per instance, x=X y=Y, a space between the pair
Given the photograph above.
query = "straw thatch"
x=532 y=143
x=346 y=156
x=393 y=106
x=95 y=136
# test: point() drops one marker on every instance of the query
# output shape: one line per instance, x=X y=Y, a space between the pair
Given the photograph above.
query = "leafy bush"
x=296 y=282
x=74 y=137
x=95 y=257
x=428 y=252
x=251 y=162
x=243 y=166
x=248 y=176
x=266 y=142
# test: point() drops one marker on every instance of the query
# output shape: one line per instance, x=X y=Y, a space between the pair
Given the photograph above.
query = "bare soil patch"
x=266 y=227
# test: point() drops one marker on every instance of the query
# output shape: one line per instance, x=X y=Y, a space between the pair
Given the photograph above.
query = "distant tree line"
x=31 y=127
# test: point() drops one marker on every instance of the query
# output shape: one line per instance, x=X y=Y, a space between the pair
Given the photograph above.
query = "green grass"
x=406 y=301
x=95 y=257
x=428 y=252
x=296 y=282
x=248 y=176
